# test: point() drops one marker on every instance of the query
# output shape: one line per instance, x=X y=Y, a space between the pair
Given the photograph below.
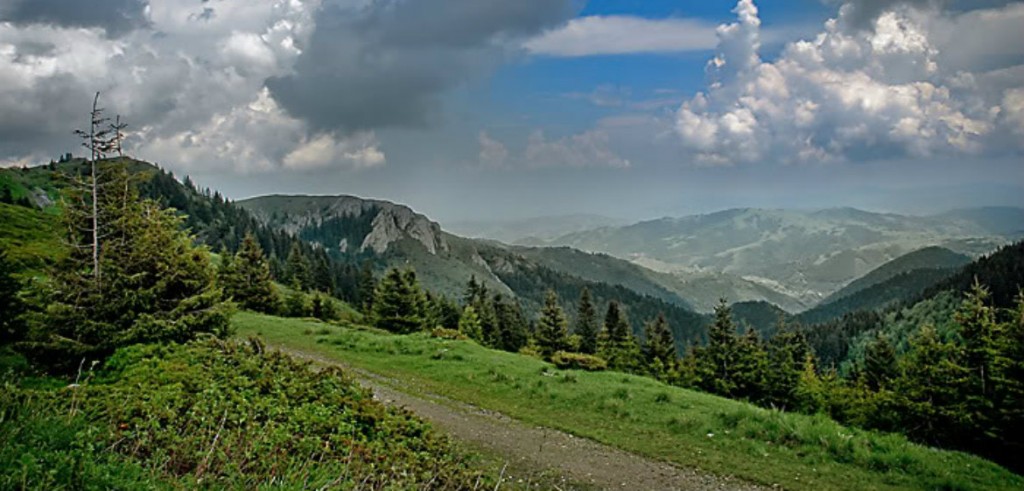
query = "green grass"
x=644 y=416
x=29 y=236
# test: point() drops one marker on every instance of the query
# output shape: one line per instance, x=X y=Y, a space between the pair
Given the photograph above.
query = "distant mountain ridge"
x=525 y=231
x=807 y=255
x=927 y=258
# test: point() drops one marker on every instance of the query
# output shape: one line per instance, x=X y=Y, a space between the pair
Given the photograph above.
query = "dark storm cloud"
x=116 y=17
x=387 y=64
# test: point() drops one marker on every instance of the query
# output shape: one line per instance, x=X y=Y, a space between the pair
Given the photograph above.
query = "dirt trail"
x=575 y=460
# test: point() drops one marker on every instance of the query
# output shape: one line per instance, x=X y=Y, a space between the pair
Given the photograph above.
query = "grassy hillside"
x=927 y=258
x=643 y=416
x=30 y=237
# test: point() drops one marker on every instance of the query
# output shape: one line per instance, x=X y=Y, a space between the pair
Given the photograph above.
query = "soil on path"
x=574 y=460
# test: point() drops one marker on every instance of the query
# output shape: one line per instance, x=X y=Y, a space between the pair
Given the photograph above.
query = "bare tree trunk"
x=117 y=135
x=95 y=204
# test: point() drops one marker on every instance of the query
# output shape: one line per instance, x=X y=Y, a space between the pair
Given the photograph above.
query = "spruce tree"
x=586 y=323
x=11 y=324
x=787 y=350
x=716 y=362
x=367 y=288
x=246 y=278
x=879 y=363
x=514 y=328
x=933 y=384
x=156 y=284
x=660 y=348
x=617 y=344
x=469 y=324
x=552 y=328
x=297 y=268
x=398 y=303
x=295 y=304
x=980 y=334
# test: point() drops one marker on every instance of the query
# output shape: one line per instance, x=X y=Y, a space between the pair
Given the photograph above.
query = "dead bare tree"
x=116 y=128
x=98 y=142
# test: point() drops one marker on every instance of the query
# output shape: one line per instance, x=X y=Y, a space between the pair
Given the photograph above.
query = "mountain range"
x=803 y=255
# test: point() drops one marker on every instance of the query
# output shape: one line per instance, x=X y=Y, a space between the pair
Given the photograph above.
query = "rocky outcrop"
x=389 y=222
x=395 y=222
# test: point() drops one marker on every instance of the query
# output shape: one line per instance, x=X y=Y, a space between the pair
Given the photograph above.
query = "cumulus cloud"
x=190 y=86
x=493 y=153
x=619 y=34
x=246 y=85
x=588 y=149
x=849 y=92
x=258 y=137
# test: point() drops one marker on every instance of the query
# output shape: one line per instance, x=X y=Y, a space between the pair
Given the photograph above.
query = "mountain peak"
x=342 y=222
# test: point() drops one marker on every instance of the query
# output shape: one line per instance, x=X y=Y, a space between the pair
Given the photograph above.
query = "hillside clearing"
x=639 y=415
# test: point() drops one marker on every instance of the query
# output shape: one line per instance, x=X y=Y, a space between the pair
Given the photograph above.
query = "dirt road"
x=575 y=462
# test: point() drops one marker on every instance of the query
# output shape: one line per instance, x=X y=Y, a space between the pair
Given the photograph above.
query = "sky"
x=491 y=109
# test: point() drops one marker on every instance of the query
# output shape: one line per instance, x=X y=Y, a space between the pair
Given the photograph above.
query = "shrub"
x=218 y=414
x=445 y=333
x=581 y=361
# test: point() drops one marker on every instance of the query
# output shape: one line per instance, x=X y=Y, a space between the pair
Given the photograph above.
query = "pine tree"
x=660 y=348
x=469 y=324
x=751 y=367
x=11 y=324
x=717 y=362
x=933 y=385
x=787 y=351
x=980 y=334
x=320 y=272
x=156 y=286
x=879 y=363
x=367 y=288
x=617 y=344
x=586 y=323
x=514 y=329
x=295 y=304
x=398 y=303
x=297 y=268
x=552 y=328
x=246 y=278
x=811 y=393
x=1011 y=400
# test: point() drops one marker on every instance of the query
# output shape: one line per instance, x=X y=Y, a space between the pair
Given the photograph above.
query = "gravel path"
x=573 y=459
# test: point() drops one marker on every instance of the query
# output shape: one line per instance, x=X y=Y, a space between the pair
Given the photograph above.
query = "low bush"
x=581 y=361
x=217 y=414
x=445 y=333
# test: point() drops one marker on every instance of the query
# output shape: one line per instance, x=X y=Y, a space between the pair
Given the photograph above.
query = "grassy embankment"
x=641 y=415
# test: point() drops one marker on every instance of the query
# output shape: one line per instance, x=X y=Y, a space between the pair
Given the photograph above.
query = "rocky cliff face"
x=342 y=222
x=394 y=222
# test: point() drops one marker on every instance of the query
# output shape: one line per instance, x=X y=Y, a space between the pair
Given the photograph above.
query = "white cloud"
x=493 y=153
x=587 y=149
x=618 y=34
x=847 y=93
x=325 y=149
x=192 y=88
x=261 y=137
